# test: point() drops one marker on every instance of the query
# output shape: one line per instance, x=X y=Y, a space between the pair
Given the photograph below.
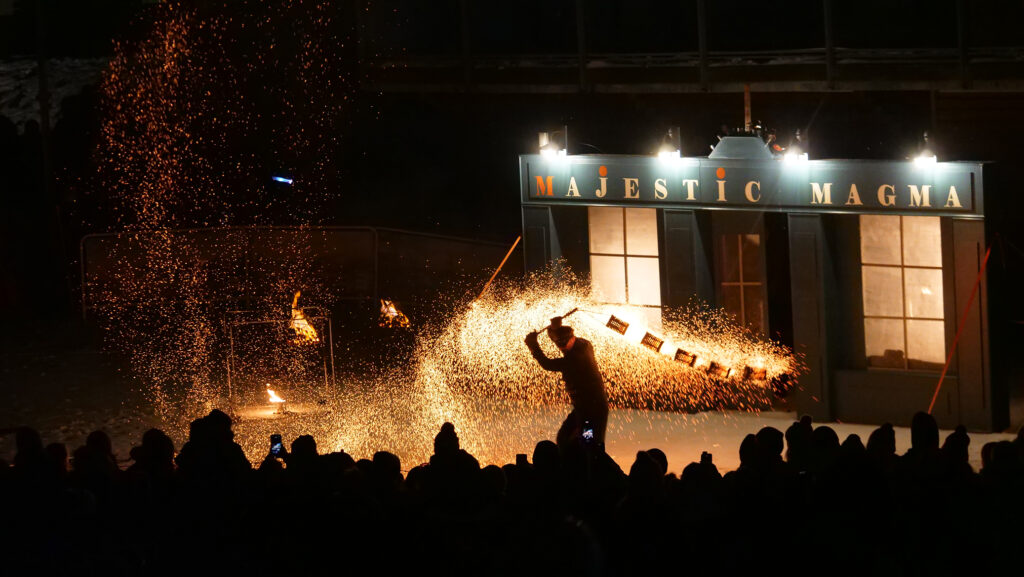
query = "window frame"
x=761 y=285
x=902 y=266
x=626 y=255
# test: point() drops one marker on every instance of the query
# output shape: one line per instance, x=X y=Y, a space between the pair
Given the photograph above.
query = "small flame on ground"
x=274 y=398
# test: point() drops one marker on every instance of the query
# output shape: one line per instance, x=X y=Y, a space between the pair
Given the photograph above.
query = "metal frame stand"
x=232 y=321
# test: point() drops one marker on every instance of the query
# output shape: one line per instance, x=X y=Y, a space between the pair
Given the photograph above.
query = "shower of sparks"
x=193 y=111
x=480 y=352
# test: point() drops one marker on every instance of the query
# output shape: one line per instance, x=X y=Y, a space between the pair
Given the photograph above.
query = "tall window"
x=742 y=279
x=624 y=257
x=901 y=270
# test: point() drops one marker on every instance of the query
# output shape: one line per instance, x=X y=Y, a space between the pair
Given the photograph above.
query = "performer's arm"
x=545 y=362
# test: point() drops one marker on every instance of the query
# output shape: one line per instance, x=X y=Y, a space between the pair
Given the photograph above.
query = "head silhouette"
x=882 y=441
x=771 y=441
x=304 y=447
x=924 y=432
x=447 y=441
x=956 y=445
x=561 y=335
x=660 y=458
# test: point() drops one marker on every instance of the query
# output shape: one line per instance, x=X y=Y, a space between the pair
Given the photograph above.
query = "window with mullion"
x=624 y=266
x=901 y=274
x=742 y=279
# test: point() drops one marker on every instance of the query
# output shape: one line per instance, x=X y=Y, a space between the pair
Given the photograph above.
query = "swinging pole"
x=508 y=254
x=960 y=328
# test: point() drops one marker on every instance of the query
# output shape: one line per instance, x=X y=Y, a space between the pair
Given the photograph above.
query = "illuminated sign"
x=898 y=187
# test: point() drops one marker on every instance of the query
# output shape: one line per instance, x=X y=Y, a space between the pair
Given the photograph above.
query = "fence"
x=360 y=263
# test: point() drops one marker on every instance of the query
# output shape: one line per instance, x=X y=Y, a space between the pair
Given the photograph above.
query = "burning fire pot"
x=281 y=406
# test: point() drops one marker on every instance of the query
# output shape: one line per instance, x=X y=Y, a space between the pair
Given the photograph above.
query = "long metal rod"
x=960 y=329
x=273 y=322
x=747 y=122
x=231 y=358
x=570 y=313
x=330 y=335
x=496 y=271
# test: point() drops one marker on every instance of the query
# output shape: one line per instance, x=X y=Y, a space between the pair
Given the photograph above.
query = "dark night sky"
x=446 y=162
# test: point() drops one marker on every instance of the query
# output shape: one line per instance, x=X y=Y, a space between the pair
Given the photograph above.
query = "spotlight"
x=716 y=370
x=685 y=357
x=796 y=151
x=548 y=145
x=618 y=325
x=752 y=374
x=671 y=145
x=652 y=342
x=925 y=154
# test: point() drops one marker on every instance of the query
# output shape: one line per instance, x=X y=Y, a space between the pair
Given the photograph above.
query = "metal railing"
x=250 y=236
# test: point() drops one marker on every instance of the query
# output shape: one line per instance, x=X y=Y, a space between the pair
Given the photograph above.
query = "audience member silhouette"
x=837 y=507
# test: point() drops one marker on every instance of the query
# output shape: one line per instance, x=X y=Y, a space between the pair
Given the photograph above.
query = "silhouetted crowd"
x=800 y=502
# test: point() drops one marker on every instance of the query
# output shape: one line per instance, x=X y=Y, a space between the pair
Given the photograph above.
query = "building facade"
x=864 y=268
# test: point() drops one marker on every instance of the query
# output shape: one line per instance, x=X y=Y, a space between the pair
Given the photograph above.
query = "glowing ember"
x=390 y=316
x=756 y=374
x=304 y=332
x=716 y=370
x=685 y=357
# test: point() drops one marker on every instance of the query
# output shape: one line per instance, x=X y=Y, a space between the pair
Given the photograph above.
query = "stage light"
x=549 y=147
x=716 y=370
x=925 y=155
x=281 y=179
x=685 y=357
x=925 y=160
x=796 y=152
x=618 y=325
x=652 y=342
x=671 y=146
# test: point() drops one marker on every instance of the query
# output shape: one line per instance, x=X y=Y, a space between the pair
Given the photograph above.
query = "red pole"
x=960 y=328
x=508 y=254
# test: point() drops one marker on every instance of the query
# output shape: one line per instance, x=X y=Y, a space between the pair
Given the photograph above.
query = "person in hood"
x=583 y=383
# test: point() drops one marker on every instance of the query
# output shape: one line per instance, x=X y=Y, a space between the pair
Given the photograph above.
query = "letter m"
x=544 y=188
x=819 y=196
x=920 y=197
